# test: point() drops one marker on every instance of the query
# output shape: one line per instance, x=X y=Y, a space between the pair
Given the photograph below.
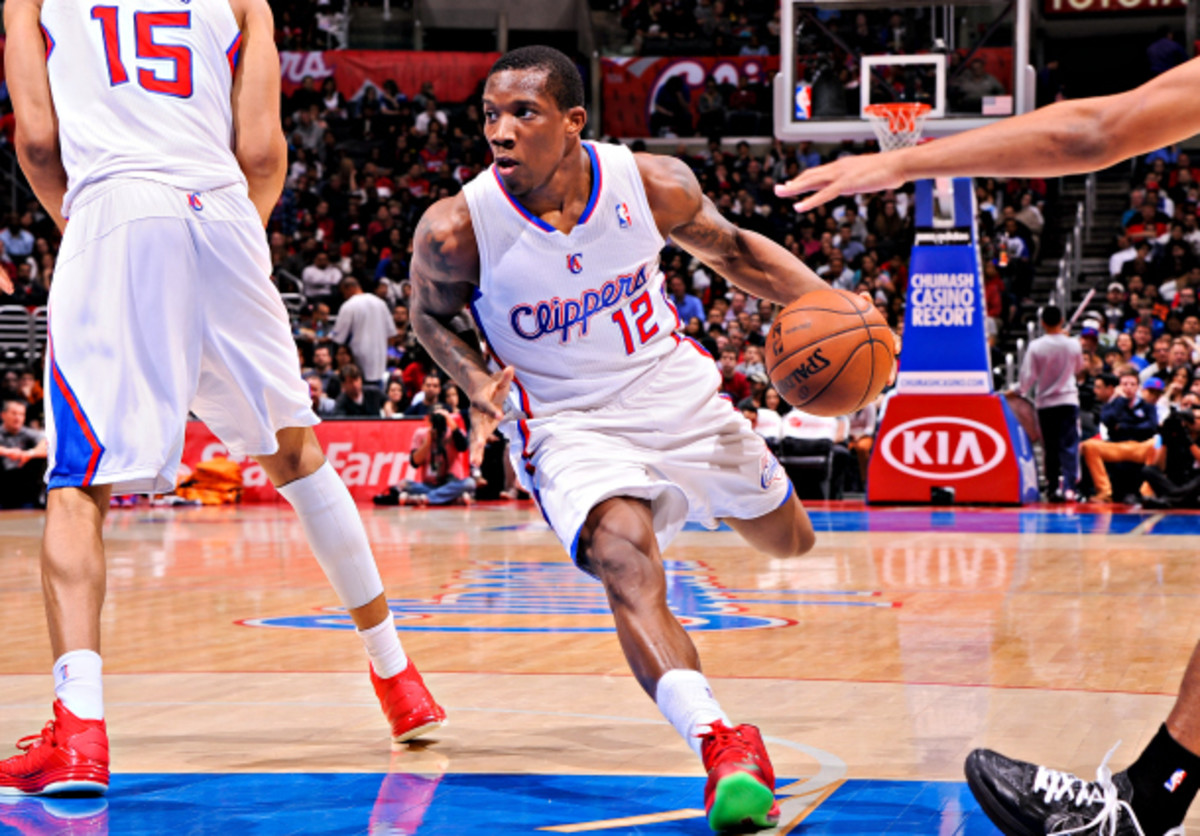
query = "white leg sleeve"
x=336 y=535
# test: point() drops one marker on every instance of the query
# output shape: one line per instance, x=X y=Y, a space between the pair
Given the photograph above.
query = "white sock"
x=336 y=535
x=77 y=683
x=684 y=698
x=383 y=648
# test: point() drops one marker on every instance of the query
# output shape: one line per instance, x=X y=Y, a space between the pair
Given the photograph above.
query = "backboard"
x=968 y=60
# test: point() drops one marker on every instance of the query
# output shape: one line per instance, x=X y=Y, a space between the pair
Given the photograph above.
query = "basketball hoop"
x=897 y=124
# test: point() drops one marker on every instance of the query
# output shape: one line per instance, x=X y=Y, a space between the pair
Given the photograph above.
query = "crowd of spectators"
x=701 y=27
x=362 y=170
x=1141 y=343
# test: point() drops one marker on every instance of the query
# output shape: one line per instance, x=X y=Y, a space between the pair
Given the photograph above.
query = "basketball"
x=830 y=352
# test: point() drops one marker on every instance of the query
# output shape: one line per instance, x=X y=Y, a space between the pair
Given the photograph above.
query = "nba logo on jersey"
x=575 y=262
x=623 y=217
x=194 y=202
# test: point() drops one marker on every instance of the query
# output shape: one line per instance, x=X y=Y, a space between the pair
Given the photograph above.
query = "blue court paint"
x=982 y=521
x=555 y=597
x=498 y=805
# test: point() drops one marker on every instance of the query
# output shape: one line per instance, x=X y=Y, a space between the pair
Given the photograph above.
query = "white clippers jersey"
x=582 y=316
x=142 y=90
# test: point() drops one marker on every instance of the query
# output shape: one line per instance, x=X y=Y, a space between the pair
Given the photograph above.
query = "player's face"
x=528 y=134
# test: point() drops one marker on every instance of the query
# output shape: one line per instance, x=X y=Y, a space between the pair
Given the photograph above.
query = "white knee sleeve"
x=336 y=535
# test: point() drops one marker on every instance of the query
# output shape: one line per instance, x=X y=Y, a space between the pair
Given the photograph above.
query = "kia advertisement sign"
x=369 y=455
x=941 y=447
x=968 y=443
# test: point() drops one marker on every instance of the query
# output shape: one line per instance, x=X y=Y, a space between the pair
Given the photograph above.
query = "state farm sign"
x=1097 y=6
x=943 y=447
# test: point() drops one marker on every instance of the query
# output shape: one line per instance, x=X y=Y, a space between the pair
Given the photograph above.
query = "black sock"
x=1165 y=779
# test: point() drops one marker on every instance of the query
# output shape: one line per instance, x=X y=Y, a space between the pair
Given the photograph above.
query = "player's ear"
x=576 y=119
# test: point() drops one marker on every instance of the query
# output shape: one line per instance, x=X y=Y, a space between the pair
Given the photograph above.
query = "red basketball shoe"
x=69 y=755
x=407 y=704
x=740 y=793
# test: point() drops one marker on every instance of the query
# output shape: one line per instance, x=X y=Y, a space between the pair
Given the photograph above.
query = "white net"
x=897 y=125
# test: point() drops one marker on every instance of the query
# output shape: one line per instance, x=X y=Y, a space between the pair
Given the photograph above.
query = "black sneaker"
x=1024 y=799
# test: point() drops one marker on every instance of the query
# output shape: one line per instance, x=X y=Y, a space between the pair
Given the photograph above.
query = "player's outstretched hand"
x=487 y=410
x=6 y=284
x=849 y=175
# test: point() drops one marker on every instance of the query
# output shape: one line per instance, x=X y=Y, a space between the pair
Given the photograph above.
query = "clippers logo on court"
x=559 y=316
x=942 y=447
x=195 y=203
x=493 y=596
x=624 y=219
x=1175 y=781
x=575 y=262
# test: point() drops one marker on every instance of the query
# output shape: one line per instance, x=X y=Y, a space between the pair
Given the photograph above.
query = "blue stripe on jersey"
x=49 y=40
x=234 y=53
x=593 y=198
x=597 y=177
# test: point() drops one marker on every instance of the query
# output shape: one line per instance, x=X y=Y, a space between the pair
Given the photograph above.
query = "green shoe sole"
x=741 y=804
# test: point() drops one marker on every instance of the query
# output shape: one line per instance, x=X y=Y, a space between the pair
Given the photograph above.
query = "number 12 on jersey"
x=646 y=305
x=144 y=24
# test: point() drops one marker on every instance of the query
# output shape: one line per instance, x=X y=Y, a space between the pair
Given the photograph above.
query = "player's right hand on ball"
x=487 y=411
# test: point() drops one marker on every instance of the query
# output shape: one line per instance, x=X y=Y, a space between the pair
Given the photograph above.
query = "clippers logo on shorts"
x=1175 y=781
x=575 y=262
x=771 y=471
x=558 y=316
x=194 y=202
x=624 y=219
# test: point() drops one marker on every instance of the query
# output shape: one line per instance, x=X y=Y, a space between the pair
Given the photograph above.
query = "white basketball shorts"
x=670 y=439
x=161 y=304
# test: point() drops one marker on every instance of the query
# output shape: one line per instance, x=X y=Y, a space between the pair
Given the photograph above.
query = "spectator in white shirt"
x=1126 y=252
x=320 y=278
x=428 y=115
x=837 y=273
x=365 y=324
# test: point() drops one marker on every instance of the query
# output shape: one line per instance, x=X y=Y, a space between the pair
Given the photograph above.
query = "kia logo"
x=940 y=447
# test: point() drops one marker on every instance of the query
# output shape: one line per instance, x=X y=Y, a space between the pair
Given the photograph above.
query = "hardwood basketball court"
x=238 y=701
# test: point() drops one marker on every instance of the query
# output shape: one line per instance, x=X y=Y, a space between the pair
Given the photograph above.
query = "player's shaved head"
x=563 y=82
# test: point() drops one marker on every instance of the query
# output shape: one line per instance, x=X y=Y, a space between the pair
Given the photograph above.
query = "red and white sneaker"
x=69 y=755
x=740 y=793
x=407 y=703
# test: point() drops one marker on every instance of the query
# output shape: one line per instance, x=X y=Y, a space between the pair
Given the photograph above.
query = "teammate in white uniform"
x=618 y=428
x=158 y=134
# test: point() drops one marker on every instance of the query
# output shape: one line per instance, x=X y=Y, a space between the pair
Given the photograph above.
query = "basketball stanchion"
x=946 y=436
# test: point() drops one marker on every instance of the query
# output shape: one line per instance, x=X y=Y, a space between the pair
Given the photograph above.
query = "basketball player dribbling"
x=1151 y=797
x=158 y=133
x=616 y=425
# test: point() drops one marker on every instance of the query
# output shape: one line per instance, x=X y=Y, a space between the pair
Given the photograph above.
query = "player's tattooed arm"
x=687 y=217
x=444 y=275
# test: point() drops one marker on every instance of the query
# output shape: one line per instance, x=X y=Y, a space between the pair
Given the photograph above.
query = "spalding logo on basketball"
x=830 y=352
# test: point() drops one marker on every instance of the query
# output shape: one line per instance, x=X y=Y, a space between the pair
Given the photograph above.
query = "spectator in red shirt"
x=733 y=382
x=1147 y=224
